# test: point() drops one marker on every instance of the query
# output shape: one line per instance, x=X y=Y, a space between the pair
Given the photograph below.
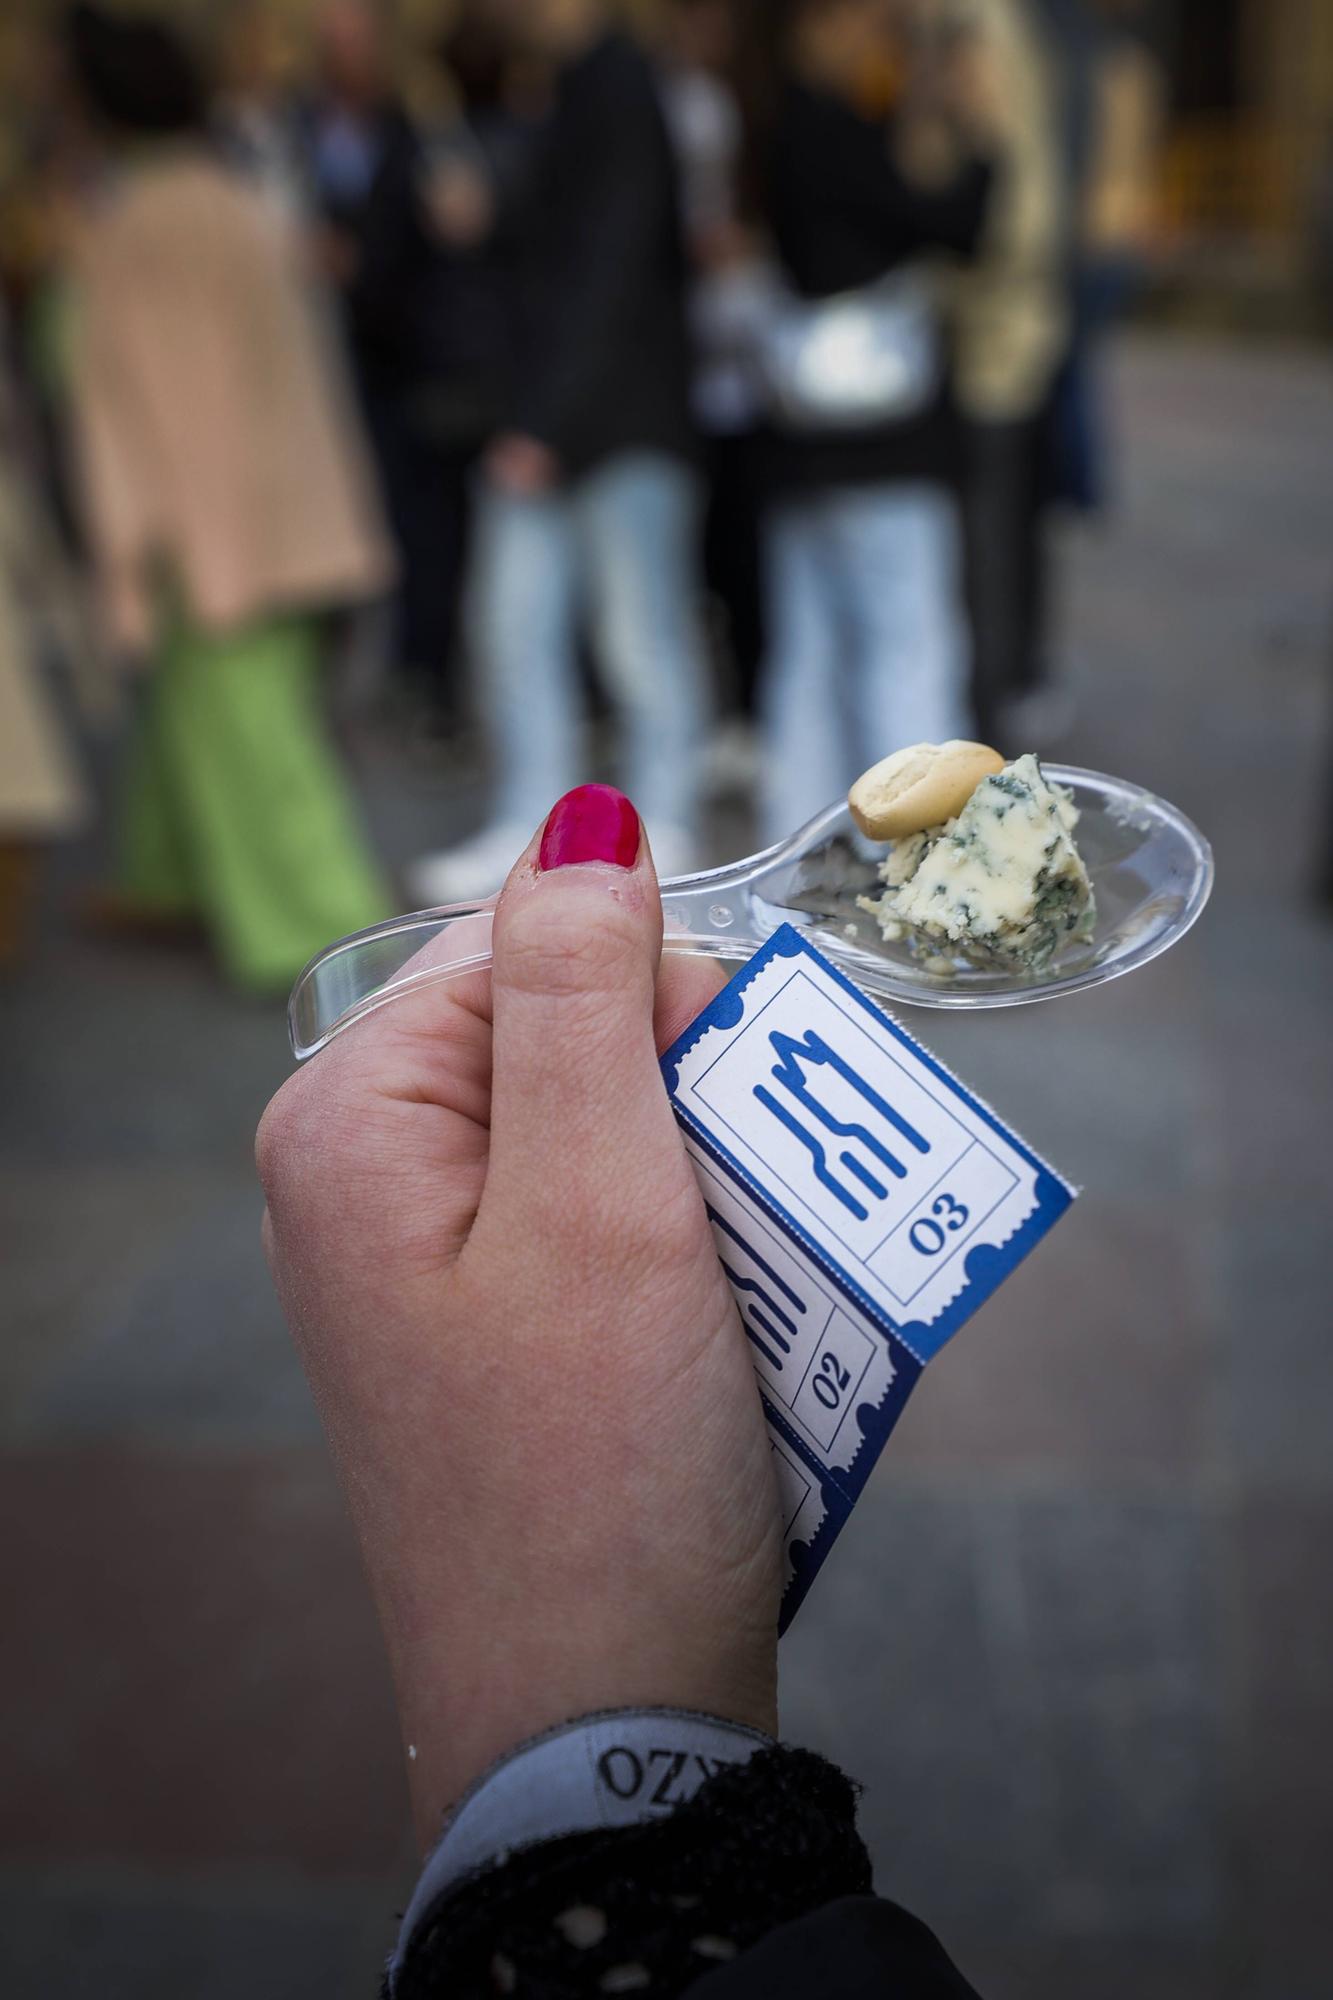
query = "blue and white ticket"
x=864 y=1205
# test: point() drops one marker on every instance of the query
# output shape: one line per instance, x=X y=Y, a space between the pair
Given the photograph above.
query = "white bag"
x=853 y=361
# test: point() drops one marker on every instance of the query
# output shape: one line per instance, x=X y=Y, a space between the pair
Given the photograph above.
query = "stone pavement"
x=1077 y=1640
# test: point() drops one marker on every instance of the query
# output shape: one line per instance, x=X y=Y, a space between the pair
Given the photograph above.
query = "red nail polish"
x=594 y=823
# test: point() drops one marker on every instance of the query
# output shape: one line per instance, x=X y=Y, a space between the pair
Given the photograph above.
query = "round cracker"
x=920 y=787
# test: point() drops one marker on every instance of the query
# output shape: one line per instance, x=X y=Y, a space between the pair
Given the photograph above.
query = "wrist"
x=501 y=1620
x=464 y=1708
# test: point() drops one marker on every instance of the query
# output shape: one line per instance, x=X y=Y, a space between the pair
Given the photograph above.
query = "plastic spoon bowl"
x=1151 y=868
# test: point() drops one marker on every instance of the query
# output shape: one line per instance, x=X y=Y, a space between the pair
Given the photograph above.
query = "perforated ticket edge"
x=1052 y=1195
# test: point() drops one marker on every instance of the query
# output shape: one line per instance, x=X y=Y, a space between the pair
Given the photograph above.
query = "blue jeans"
x=623 y=543
x=868 y=648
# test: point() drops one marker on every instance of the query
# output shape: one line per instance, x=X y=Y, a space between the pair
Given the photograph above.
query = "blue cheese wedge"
x=1002 y=884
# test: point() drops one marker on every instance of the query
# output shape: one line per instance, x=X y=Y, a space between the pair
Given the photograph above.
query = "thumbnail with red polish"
x=594 y=823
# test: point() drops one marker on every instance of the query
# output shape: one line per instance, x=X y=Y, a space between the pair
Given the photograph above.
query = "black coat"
x=600 y=352
x=422 y=322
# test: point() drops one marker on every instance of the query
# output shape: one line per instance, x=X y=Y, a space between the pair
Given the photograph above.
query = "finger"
x=428 y=1040
x=398 y=1101
x=686 y=983
x=576 y=1095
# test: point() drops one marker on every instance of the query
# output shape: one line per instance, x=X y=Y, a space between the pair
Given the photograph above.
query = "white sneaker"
x=471 y=871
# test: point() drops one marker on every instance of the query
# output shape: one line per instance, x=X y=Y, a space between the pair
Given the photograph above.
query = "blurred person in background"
x=406 y=324
x=732 y=282
x=590 y=494
x=42 y=797
x=227 y=506
x=358 y=151
x=1321 y=232
x=1114 y=76
x=56 y=166
x=253 y=113
x=868 y=638
x=448 y=262
x=1009 y=321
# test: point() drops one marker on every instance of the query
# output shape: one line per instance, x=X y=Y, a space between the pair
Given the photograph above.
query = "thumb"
x=577 y=1100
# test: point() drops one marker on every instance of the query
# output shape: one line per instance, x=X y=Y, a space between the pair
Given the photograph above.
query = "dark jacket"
x=422 y=322
x=844 y=215
x=600 y=360
x=373 y=211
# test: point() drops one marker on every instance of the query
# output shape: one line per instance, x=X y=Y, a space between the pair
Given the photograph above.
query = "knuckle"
x=302 y=1135
x=276 y=1142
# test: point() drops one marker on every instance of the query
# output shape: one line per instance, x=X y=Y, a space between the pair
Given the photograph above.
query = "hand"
x=926 y=147
x=460 y=204
x=498 y=1271
x=333 y=256
x=726 y=246
x=523 y=466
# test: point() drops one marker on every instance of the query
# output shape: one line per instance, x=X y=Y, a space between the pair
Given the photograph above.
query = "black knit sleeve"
x=647 y=1908
x=707 y=1897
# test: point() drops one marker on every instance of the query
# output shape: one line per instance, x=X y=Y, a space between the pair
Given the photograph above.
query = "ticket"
x=864 y=1204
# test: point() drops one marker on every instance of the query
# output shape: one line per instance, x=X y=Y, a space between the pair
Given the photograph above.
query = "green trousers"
x=233 y=806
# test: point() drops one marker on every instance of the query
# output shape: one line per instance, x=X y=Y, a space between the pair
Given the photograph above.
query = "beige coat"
x=214 y=433
x=1010 y=316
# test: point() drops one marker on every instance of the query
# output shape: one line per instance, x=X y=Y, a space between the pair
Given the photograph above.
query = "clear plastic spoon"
x=1151 y=868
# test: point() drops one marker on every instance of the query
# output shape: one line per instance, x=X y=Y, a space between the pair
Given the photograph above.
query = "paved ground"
x=1077 y=1641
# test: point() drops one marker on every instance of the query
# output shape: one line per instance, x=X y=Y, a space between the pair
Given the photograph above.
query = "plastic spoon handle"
x=366 y=971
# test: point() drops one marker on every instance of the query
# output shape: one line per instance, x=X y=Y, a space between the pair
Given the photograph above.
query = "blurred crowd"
x=721 y=368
